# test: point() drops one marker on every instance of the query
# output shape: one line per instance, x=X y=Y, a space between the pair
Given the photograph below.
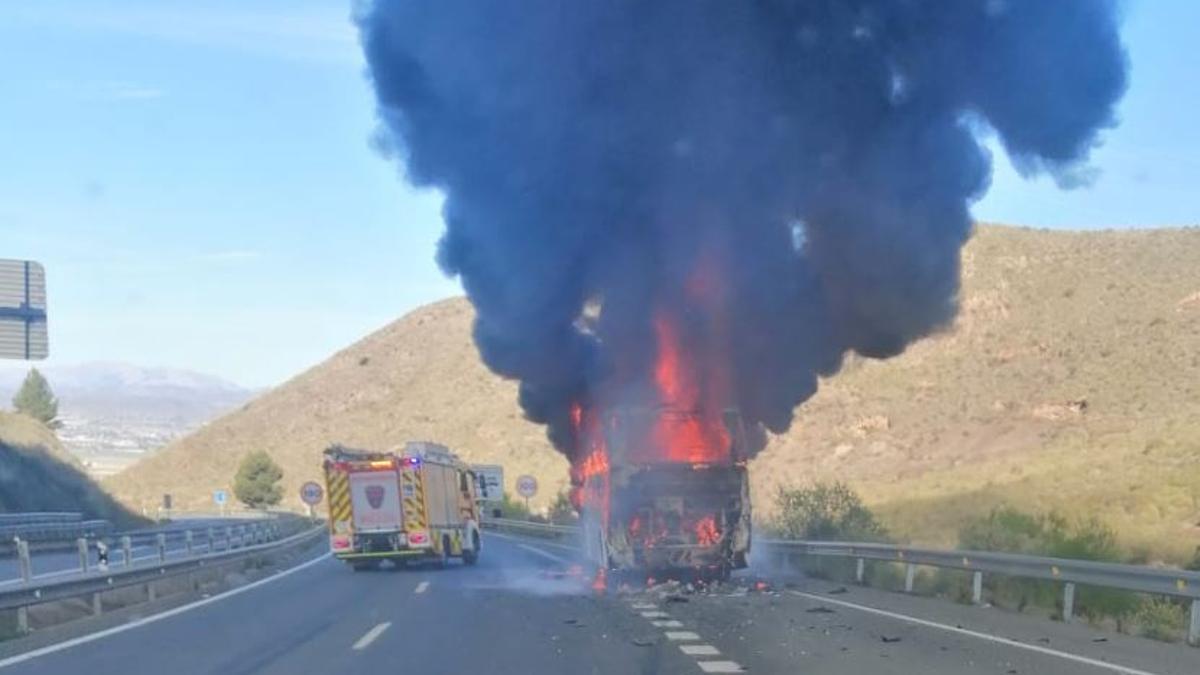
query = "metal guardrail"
x=1134 y=578
x=46 y=526
x=93 y=582
x=39 y=517
x=55 y=531
x=544 y=530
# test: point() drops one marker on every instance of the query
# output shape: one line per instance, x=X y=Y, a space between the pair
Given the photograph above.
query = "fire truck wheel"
x=471 y=557
x=444 y=561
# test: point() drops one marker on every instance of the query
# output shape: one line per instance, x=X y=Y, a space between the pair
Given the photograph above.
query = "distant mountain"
x=115 y=413
x=122 y=390
x=1070 y=381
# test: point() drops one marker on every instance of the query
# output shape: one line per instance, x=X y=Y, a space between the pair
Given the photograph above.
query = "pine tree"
x=257 y=481
x=36 y=400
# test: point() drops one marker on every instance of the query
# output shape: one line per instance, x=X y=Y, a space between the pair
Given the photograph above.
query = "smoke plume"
x=790 y=180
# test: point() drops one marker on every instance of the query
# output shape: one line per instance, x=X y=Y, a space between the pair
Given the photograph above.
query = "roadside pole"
x=311 y=494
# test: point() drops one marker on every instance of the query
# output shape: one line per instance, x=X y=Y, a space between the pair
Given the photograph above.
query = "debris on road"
x=820 y=610
x=644 y=641
x=838 y=591
x=889 y=639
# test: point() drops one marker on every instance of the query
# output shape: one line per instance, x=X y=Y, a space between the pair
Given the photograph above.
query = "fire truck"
x=419 y=503
x=667 y=516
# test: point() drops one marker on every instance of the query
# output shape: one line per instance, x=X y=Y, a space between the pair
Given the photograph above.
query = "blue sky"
x=199 y=182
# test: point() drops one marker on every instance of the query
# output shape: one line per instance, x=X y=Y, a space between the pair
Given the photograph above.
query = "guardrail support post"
x=96 y=608
x=127 y=550
x=187 y=541
x=151 y=595
x=228 y=537
x=22 y=620
x=859 y=570
x=910 y=575
x=977 y=588
x=162 y=547
x=1194 y=626
x=23 y=558
x=210 y=534
x=1068 y=610
x=81 y=544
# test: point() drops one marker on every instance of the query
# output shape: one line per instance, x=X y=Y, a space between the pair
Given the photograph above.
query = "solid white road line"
x=421 y=587
x=545 y=554
x=719 y=666
x=21 y=658
x=682 y=636
x=699 y=650
x=975 y=634
x=366 y=640
x=655 y=614
x=669 y=623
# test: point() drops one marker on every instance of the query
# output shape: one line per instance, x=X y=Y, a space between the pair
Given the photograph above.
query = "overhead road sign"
x=23 y=333
x=490 y=482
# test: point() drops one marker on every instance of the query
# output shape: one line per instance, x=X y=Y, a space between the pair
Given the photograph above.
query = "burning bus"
x=664 y=490
x=658 y=468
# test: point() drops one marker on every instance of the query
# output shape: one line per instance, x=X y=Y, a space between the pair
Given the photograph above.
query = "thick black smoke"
x=814 y=161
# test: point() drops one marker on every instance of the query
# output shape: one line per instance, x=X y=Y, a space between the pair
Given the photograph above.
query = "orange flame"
x=706 y=531
x=693 y=431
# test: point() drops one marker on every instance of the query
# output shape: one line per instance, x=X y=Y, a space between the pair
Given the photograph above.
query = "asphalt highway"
x=526 y=609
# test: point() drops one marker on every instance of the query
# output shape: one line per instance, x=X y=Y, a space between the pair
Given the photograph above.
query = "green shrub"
x=831 y=512
x=516 y=509
x=1160 y=619
x=257 y=481
x=36 y=400
x=825 y=512
x=562 y=512
x=1011 y=531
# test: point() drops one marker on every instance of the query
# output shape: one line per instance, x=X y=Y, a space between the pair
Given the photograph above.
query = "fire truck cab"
x=416 y=504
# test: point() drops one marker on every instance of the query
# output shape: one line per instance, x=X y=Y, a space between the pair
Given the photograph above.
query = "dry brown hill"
x=37 y=474
x=1071 y=381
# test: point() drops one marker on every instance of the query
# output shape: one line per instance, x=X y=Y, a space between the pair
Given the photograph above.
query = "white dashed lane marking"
x=699 y=650
x=421 y=587
x=660 y=619
x=720 y=667
x=366 y=640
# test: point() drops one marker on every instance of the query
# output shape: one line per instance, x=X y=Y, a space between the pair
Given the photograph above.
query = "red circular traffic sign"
x=526 y=486
x=311 y=493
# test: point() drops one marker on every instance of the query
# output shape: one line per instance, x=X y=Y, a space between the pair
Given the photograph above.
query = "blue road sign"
x=220 y=497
